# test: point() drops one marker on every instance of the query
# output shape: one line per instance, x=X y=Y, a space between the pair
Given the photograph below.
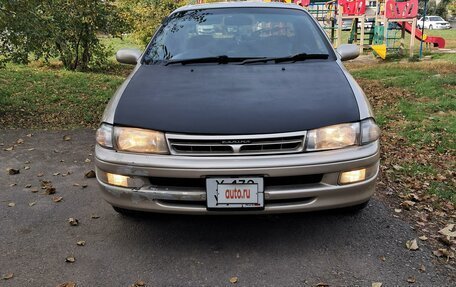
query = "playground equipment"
x=384 y=22
x=356 y=11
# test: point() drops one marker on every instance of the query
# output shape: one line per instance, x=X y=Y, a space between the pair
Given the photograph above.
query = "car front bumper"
x=314 y=186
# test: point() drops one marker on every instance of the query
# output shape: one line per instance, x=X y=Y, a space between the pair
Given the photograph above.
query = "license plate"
x=239 y=192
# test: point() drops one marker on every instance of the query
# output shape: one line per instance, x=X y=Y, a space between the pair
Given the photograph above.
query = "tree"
x=442 y=8
x=58 y=28
x=147 y=15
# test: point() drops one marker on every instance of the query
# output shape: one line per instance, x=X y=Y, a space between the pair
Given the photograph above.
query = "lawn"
x=415 y=105
x=45 y=98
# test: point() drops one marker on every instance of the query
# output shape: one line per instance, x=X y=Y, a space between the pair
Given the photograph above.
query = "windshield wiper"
x=292 y=58
x=223 y=59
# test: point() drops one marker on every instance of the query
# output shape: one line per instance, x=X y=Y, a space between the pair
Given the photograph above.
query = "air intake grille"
x=236 y=145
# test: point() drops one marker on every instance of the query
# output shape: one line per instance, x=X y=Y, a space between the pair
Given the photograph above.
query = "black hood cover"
x=237 y=99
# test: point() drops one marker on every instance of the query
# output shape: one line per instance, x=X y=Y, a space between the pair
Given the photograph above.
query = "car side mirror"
x=128 y=56
x=348 y=51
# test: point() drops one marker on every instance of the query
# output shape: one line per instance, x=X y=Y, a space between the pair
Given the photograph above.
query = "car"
x=258 y=117
x=433 y=22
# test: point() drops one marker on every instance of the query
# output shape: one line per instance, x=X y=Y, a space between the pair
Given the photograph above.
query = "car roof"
x=239 y=4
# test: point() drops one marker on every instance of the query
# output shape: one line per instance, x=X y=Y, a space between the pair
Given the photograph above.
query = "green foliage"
x=432 y=8
x=147 y=15
x=58 y=28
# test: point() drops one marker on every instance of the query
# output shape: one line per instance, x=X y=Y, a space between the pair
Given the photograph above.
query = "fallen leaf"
x=66 y=138
x=70 y=259
x=414 y=197
x=29 y=135
x=411 y=279
x=95 y=216
x=11 y=204
x=321 y=284
x=81 y=243
x=412 y=245
x=9 y=148
x=31 y=149
x=40 y=174
x=8 y=276
x=20 y=141
x=383 y=258
x=57 y=198
x=13 y=171
x=422 y=268
x=138 y=283
x=407 y=204
x=447 y=231
x=443 y=252
x=233 y=280
x=397 y=210
x=397 y=167
x=27 y=167
x=32 y=203
x=73 y=221
x=50 y=190
x=90 y=174
x=377 y=284
x=424 y=238
x=84 y=185
x=56 y=173
x=87 y=160
x=47 y=186
x=13 y=184
x=28 y=186
x=67 y=284
x=34 y=190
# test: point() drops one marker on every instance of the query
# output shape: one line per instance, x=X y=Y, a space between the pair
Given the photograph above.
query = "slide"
x=438 y=42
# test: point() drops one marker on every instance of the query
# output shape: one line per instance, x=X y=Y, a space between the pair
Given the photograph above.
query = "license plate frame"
x=235 y=193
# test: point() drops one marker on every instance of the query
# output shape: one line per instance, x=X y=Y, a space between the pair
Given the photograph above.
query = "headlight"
x=104 y=135
x=140 y=140
x=369 y=131
x=333 y=137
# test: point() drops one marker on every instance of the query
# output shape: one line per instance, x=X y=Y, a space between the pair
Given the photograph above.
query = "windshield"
x=236 y=33
x=436 y=18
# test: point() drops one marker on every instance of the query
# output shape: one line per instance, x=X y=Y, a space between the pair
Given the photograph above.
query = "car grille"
x=236 y=145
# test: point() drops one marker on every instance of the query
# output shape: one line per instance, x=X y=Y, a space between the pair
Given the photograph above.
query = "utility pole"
x=422 y=29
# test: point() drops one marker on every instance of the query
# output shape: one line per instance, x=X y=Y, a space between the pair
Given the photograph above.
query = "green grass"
x=46 y=98
x=424 y=115
x=443 y=190
x=429 y=109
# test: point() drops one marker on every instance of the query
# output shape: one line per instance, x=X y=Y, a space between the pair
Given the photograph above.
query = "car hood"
x=237 y=99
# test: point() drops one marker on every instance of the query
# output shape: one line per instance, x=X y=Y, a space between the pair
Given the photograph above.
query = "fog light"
x=352 y=176
x=117 y=179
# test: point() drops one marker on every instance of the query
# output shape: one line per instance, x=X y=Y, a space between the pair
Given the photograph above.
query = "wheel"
x=430 y=27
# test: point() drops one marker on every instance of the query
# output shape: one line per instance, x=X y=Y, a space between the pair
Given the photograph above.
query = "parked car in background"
x=238 y=108
x=433 y=22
